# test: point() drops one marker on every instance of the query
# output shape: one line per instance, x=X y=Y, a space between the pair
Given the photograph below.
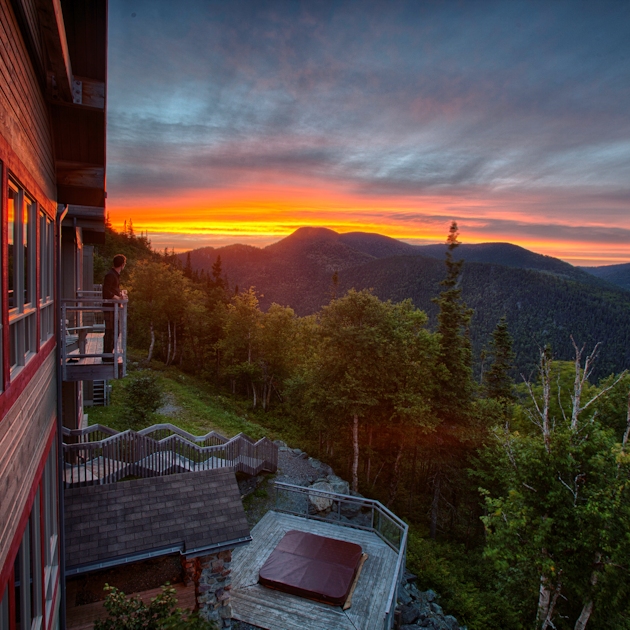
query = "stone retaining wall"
x=212 y=577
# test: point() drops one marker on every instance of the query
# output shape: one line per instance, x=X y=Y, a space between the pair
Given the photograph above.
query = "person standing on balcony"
x=112 y=291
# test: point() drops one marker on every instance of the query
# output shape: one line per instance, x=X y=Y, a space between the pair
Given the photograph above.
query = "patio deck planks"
x=274 y=610
x=90 y=368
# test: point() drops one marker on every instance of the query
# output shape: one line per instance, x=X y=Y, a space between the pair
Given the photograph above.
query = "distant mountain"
x=545 y=300
x=510 y=256
x=617 y=274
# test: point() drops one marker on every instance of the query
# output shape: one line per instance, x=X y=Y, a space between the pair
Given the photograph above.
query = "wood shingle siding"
x=24 y=117
x=23 y=438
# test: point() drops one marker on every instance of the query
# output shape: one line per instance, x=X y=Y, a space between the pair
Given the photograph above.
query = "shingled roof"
x=195 y=513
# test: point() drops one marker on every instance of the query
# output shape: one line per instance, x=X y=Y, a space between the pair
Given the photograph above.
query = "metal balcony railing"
x=94 y=334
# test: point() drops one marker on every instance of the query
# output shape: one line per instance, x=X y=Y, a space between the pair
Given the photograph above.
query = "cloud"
x=520 y=105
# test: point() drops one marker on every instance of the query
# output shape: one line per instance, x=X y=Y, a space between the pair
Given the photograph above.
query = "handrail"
x=87 y=314
x=119 y=454
x=386 y=520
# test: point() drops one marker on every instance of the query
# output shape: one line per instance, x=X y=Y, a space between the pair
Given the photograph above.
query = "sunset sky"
x=242 y=121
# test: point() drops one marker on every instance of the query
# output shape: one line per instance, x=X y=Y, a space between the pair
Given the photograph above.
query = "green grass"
x=198 y=409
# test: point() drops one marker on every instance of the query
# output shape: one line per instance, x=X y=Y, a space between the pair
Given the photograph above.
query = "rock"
x=403 y=597
x=415 y=592
x=451 y=622
x=318 y=501
x=409 y=614
x=409 y=627
x=315 y=463
x=436 y=608
x=326 y=469
x=339 y=485
x=303 y=455
x=430 y=595
x=280 y=443
x=297 y=451
x=408 y=577
x=351 y=510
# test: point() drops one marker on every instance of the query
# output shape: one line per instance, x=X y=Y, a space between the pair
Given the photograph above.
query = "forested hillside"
x=545 y=300
x=517 y=493
x=616 y=274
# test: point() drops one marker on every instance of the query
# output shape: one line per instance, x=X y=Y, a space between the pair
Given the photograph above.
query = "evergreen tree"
x=453 y=400
x=188 y=270
x=497 y=380
x=455 y=364
x=217 y=274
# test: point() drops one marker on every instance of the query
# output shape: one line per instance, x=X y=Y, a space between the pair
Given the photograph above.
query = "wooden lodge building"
x=53 y=64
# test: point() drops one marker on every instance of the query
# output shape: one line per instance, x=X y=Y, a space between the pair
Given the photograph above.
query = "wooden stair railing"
x=99 y=455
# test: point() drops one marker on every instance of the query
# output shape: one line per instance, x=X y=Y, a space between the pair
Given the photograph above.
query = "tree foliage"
x=390 y=403
x=131 y=613
x=557 y=527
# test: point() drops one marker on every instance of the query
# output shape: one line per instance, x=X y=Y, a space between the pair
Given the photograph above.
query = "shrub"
x=131 y=613
x=144 y=395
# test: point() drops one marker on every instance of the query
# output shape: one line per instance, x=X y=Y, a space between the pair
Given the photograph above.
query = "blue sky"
x=244 y=120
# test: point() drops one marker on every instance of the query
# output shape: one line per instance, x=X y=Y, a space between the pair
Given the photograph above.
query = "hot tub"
x=312 y=566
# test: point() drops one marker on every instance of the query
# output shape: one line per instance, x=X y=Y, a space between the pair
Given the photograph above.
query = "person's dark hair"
x=119 y=259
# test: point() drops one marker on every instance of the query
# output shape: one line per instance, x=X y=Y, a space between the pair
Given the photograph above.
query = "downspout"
x=60 y=461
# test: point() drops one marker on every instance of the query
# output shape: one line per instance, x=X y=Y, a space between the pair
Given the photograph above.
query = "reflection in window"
x=46 y=267
x=11 y=214
x=21 y=276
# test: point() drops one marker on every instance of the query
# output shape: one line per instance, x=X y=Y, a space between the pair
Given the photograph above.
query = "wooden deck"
x=274 y=610
x=83 y=617
x=89 y=368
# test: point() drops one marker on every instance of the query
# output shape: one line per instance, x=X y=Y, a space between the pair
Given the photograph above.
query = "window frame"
x=31 y=590
x=46 y=277
x=22 y=276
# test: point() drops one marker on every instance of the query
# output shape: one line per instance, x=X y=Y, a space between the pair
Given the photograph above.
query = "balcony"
x=381 y=534
x=83 y=331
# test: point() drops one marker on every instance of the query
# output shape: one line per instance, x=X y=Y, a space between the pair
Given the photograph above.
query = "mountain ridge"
x=545 y=300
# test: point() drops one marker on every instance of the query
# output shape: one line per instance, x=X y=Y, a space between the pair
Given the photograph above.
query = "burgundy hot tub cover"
x=312 y=566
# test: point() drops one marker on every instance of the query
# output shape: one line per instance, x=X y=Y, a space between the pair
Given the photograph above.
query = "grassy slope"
x=198 y=409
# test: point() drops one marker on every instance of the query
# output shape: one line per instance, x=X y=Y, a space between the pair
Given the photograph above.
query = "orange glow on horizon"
x=265 y=214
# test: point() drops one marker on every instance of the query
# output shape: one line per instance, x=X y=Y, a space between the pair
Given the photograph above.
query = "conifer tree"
x=497 y=380
x=456 y=384
x=453 y=399
x=217 y=272
x=188 y=270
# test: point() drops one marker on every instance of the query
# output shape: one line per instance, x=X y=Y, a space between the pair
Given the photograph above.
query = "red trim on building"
x=14 y=388
x=17 y=538
x=4 y=239
x=10 y=162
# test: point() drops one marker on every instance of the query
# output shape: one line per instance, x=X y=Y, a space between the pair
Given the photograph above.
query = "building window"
x=4 y=609
x=46 y=269
x=33 y=584
x=51 y=539
x=27 y=574
x=21 y=276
